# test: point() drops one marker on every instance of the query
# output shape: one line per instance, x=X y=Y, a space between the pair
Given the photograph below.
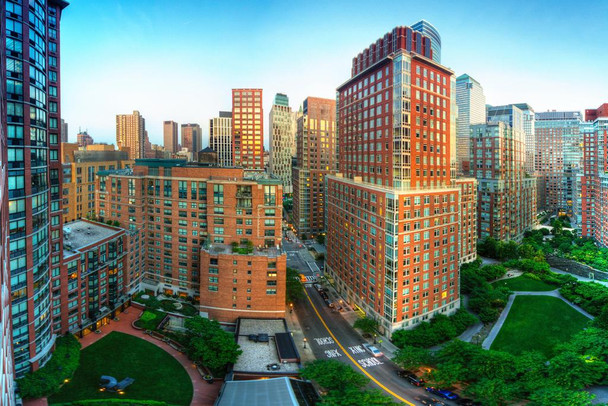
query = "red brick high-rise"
x=247 y=128
x=594 y=182
x=397 y=225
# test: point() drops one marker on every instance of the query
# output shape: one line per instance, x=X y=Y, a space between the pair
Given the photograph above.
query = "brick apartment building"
x=191 y=216
x=316 y=158
x=594 y=181
x=506 y=195
x=94 y=277
x=397 y=232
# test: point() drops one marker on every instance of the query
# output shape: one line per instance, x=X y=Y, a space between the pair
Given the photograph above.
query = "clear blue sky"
x=179 y=60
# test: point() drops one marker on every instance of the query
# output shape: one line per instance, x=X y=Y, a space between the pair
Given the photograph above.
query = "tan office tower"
x=130 y=133
x=247 y=128
x=316 y=158
x=220 y=137
x=170 y=136
x=282 y=140
x=192 y=137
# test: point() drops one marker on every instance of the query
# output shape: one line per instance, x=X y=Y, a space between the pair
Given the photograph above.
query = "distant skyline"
x=179 y=61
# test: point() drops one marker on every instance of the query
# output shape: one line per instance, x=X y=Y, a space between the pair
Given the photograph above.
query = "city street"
x=331 y=337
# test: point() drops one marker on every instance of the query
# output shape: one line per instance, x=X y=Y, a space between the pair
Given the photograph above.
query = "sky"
x=179 y=60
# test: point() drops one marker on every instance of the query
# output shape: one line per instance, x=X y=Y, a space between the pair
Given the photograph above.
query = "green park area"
x=538 y=323
x=525 y=283
x=158 y=376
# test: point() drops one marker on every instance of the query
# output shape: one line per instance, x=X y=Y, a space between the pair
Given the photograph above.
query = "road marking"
x=324 y=340
x=369 y=362
x=356 y=349
x=332 y=353
x=350 y=357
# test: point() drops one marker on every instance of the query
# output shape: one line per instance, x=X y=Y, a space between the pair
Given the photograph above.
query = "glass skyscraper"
x=426 y=28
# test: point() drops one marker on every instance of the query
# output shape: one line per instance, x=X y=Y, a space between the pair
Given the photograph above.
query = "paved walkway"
x=204 y=393
x=503 y=316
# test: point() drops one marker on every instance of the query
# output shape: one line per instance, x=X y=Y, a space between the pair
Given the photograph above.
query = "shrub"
x=48 y=379
x=119 y=402
x=440 y=329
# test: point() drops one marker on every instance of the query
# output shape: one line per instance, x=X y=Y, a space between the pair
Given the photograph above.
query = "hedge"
x=48 y=379
x=440 y=329
x=121 y=402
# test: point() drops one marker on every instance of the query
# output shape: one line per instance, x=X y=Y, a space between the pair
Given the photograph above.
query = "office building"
x=316 y=158
x=64 y=131
x=220 y=137
x=131 y=134
x=34 y=178
x=558 y=159
x=506 y=195
x=83 y=139
x=170 y=142
x=192 y=138
x=428 y=30
x=594 y=179
x=247 y=128
x=79 y=170
x=471 y=104
x=210 y=233
x=396 y=231
x=282 y=140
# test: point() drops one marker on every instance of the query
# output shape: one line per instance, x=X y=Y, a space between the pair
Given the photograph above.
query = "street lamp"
x=305 y=342
x=290 y=307
x=375 y=338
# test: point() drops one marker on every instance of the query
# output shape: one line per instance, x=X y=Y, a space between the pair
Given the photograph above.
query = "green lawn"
x=538 y=323
x=150 y=319
x=158 y=376
x=524 y=284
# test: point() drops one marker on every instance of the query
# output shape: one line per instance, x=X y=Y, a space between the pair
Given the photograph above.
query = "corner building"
x=396 y=229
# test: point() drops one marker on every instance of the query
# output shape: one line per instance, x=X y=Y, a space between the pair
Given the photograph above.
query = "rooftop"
x=217 y=248
x=282 y=391
x=81 y=233
x=257 y=355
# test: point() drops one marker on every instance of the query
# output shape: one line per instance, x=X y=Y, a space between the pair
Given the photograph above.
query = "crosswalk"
x=310 y=279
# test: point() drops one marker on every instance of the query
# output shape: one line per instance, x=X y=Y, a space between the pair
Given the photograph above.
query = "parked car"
x=444 y=393
x=411 y=378
x=373 y=350
x=426 y=400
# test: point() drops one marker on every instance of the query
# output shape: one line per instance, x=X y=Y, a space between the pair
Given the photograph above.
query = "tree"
x=366 y=324
x=356 y=397
x=333 y=375
x=492 y=392
x=574 y=371
x=410 y=357
x=531 y=371
x=556 y=395
x=601 y=321
x=321 y=238
x=294 y=290
x=207 y=342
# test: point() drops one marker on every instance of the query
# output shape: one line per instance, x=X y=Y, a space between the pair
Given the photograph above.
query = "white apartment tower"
x=282 y=140
x=471 y=104
x=220 y=137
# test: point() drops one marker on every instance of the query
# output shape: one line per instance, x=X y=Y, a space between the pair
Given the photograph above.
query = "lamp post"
x=305 y=342
x=291 y=308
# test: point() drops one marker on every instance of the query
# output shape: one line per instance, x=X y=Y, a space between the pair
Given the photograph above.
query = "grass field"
x=538 y=323
x=524 y=284
x=158 y=376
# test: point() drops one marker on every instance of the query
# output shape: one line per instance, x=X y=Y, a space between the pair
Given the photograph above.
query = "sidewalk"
x=293 y=323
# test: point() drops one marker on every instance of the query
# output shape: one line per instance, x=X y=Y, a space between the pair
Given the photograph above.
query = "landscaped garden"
x=525 y=283
x=150 y=319
x=538 y=323
x=158 y=376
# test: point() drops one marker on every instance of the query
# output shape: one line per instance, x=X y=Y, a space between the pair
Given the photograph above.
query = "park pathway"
x=204 y=393
x=487 y=343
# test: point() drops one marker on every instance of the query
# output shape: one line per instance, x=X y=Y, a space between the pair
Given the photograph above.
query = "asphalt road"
x=331 y=337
